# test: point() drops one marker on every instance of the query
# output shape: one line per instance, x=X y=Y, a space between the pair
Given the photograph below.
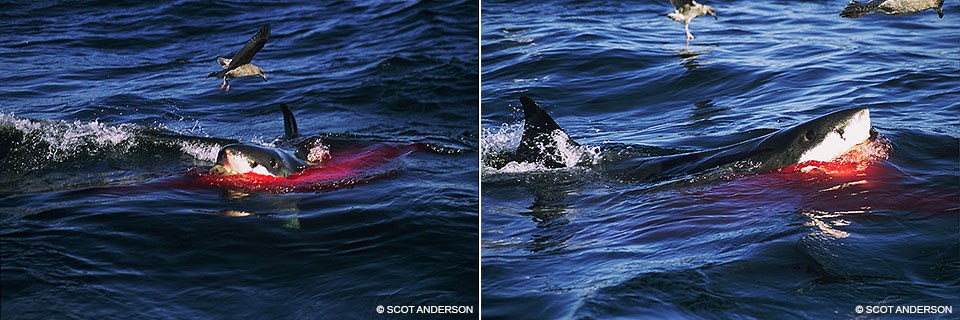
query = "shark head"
x=241 y=158
x=822 y=139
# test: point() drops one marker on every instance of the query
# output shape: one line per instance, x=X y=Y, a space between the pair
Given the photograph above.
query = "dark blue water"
x=97 y=222
x=576 y=243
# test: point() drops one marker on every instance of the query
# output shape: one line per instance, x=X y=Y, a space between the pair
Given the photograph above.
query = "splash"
x=500 y=143
x=200 y=151
x=318 y=154
x=516 y=167
x=65 y=139
x=572 y=155
x=500 y=140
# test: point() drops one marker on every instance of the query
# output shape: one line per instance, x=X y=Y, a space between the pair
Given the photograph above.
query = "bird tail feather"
x=856 y=9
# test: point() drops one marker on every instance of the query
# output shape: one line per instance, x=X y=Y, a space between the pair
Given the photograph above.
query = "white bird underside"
x=676 y=16
x=686 y=11
x=685 y=8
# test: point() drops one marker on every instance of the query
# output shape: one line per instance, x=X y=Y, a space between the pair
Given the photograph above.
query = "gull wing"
x=680 y=4
x=245 y=55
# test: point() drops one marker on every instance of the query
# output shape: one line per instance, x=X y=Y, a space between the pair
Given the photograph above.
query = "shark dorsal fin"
x=290 y=130
x=536 y=120
x=538 y=143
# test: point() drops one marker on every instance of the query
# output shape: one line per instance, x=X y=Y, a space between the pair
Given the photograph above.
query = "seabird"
x=891 y=7
x=239 y=66
x=686 y=11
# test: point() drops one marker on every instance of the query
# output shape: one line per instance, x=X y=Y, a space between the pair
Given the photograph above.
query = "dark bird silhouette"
x=239 y=66
x=891 y=7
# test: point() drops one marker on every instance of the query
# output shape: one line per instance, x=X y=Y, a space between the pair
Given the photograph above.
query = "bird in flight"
x=686 y=10
x=856 y=9
x=239 y=66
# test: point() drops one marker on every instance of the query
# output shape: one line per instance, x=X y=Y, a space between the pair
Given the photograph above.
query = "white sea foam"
x=499 y=142
x=201 y=151
x=570 y=154
x=516 y=167
x=66 y=138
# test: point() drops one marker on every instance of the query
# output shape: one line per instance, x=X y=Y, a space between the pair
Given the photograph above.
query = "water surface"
x=576 y=243
x=97 y=222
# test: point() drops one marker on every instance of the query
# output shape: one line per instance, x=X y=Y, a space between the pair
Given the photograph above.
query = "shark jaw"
x=844 y=137
x=234 y=162
x=241 y=158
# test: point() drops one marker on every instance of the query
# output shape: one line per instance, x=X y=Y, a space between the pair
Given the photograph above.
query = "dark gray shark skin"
x=761 y=154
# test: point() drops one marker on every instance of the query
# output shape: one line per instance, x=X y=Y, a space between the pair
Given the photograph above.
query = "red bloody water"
x=859 y=181
x=852 y=162
x=345 y=168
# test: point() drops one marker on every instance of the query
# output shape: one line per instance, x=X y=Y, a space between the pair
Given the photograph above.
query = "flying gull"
x=686 y=11
x=891 y=7
x=239 y=66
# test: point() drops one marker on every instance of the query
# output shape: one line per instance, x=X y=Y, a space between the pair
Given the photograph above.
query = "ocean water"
x=578 y=243
x=106 y=118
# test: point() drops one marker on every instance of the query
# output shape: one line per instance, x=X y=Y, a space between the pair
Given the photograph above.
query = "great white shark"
x=322 y=161
x=822 y=139
x=242 y=158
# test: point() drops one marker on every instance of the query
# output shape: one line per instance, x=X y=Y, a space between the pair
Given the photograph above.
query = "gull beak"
x=264 y=77
x=713 y=13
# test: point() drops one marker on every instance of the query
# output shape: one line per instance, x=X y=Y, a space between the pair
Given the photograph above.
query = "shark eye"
x=840 y=132
x=809 y=135
x=254 y=164
x=273 y=162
